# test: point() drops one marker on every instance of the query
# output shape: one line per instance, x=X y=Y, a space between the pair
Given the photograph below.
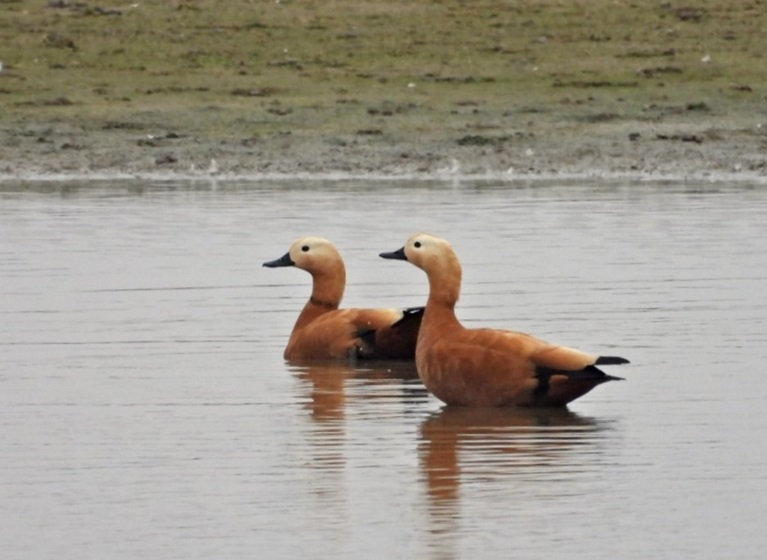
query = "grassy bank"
x=481 y=74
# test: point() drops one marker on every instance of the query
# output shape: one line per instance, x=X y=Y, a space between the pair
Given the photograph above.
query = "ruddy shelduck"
x=488 y=367
x=323 y=331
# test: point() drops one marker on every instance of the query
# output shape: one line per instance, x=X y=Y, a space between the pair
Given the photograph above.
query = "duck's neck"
x=444 y=290
x=327 y=292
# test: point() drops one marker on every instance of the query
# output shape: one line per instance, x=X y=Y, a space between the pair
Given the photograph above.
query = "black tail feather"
x=611 y=361
x=589 y=373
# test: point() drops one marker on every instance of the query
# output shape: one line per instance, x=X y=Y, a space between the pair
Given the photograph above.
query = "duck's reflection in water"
x=339 y=395
x=465 y=449
x=330 y=384
x=375 y=389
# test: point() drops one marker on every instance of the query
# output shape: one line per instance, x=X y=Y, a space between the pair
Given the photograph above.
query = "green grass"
x=337 y=67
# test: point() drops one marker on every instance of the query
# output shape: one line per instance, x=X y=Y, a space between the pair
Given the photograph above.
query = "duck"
x=486 y=367
x=324 y=331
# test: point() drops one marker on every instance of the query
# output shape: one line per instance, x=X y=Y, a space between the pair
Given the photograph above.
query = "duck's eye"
x=417 y=244
x=305 y=248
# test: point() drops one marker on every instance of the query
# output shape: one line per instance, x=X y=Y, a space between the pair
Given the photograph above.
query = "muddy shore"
x=642 y=152
x=515 y=91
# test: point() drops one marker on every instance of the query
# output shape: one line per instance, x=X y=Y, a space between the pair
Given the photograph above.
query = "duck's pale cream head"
x=425 y=251
x=313 y=254
x=436 y=257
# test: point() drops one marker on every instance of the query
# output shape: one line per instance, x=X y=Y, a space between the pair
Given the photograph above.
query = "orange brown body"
x=488 y=367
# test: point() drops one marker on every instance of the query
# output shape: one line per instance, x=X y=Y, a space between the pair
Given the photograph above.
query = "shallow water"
x=146 y=411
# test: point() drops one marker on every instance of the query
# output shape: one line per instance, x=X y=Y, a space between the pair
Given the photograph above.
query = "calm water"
x=146 y=412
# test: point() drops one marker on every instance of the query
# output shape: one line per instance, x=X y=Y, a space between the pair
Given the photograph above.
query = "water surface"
x=146 y=411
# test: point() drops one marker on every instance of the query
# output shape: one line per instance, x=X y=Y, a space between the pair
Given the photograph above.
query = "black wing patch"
x=410 y=314
x=395 y=342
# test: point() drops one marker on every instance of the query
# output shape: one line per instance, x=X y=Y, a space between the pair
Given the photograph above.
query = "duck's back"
x=355 y=333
